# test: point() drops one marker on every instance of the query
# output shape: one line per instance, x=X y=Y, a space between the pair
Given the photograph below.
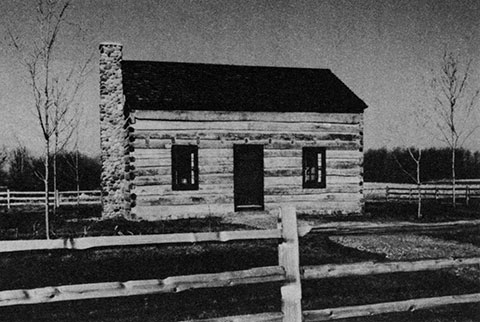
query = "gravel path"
x=416 y=247
x=409 y=247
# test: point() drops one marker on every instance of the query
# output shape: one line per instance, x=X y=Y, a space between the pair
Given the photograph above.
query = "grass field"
x=36 y=269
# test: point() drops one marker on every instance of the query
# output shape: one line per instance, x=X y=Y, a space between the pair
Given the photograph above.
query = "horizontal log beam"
x=272 y=182
x=269 y=144
x=345 y=133
x=364 y=228
x=225 y=169
x=227 y=197
x=192 y=199
x=149 y=127
x=388 y=307
x=270 y=163
x=369 y=268
x=260 y=317
x=141 y=287
x=228 y=153
x=136 y=240
x=166 y=190
x=319 y=198
x=347 y=118
x=207 y=179
x=227 y=178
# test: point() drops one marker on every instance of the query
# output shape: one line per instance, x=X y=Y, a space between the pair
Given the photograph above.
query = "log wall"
x=283 y=136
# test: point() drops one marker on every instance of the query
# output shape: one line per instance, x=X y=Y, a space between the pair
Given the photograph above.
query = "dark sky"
x=383 y=50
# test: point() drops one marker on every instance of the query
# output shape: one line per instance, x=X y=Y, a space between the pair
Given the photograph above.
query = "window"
x=314 y=165
x=184 y=167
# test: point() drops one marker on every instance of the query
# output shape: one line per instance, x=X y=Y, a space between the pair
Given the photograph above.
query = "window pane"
x=313 y=167
x=313 y=174
x=184 y=167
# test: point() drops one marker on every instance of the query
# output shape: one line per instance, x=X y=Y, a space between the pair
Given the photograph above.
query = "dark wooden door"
x=248 y=177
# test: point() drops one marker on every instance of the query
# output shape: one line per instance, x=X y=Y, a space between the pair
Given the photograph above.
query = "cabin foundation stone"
x=113 y=135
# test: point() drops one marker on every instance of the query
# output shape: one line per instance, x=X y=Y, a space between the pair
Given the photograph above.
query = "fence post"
x=386 y=193
x=288 y=257
x=436 y=193
x=8 y=198
x=467 y=195
x=56 y=197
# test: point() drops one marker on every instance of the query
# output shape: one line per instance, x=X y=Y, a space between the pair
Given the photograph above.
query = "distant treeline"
x=21 y=171
x=382 y=165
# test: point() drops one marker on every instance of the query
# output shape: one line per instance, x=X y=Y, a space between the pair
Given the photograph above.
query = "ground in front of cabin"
x=37 y=269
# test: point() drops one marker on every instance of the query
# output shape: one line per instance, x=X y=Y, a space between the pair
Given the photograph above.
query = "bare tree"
x=455 y=97
x=54 y=86
x=416 y=156
x=414 y=122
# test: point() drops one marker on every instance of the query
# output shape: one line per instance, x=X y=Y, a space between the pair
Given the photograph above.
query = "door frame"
x=236 y=148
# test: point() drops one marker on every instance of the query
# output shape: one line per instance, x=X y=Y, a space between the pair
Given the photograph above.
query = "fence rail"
x=11 y=199
x=370 y=268
x=365 y=228
x=172 y=284
x=388 y=307
x=373 y=192
x=84 y=243
x=377 y=192
x=288 y=271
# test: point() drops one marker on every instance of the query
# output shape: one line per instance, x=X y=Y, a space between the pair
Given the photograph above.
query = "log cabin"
x=182 y=140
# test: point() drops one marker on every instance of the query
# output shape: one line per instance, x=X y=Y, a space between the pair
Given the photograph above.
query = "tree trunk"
x=55 y=180
x=46 y=163
x=77 y=177
x=419 y=205
x=454 y=199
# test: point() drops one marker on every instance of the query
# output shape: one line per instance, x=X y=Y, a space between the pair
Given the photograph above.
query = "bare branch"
x=403 y=169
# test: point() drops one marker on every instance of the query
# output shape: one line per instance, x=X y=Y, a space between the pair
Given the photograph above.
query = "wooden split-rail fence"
x=12 y=199
x=386 y=192
x=373 y=192
x=288 y=271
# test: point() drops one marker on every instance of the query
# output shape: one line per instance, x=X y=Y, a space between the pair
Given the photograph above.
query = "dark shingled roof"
x=189 y=86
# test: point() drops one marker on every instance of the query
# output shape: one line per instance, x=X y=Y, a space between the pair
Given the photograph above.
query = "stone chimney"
x=113 y=134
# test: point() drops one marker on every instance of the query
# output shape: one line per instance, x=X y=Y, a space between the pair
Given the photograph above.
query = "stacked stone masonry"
x=113 y=134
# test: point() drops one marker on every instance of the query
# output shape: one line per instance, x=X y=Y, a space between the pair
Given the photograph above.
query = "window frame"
x=177 y=151
x=309 y=155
